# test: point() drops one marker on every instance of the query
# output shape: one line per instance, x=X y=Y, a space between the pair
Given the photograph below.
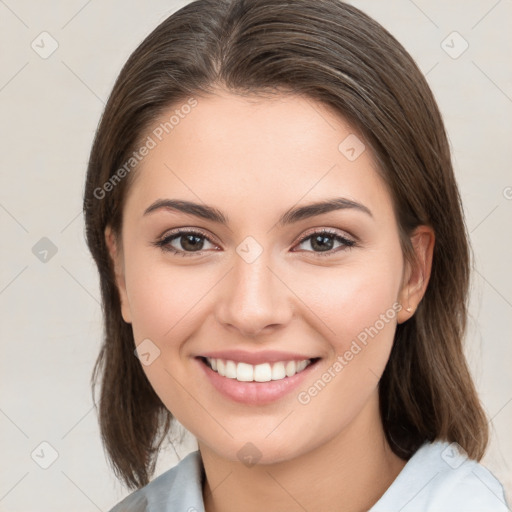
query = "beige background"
x=50 y=326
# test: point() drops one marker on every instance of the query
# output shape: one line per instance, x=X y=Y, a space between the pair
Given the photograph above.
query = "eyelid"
x=179 y=231
x=330 y=231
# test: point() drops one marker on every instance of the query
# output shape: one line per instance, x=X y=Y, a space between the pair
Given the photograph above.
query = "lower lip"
x=255 y=393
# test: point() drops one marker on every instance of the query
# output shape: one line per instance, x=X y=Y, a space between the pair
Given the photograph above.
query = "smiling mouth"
x=265 y=372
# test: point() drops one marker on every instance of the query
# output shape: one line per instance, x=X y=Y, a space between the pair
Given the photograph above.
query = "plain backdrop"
x=49 y=297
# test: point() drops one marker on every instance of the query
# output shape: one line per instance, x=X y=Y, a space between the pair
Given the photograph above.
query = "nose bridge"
x=255 y=297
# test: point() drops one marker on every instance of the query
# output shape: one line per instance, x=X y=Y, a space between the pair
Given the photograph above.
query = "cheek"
x=165 y=302
x=352 y=298
x=161 y=297
x=358 y=312
x=359 y=307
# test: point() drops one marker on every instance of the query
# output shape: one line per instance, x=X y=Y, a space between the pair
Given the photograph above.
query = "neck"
x=350 y=472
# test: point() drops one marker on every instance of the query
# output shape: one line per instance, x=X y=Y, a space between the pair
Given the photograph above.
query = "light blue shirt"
x=437 y=478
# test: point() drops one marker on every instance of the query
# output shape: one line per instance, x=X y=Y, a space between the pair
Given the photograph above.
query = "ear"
x=417 y=275
x=117 y=258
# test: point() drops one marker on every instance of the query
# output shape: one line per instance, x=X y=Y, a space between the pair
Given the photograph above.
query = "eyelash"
x=164 y=243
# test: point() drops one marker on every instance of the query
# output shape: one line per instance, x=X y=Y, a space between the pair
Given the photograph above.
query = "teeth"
x=230 y=370
x=301 y=365
x=262 y=372
x=278 y=371
x=265 y=372
x=291 y=368
x=244 y=372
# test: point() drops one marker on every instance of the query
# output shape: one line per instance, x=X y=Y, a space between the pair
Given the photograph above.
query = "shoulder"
x=440 y=477
x=179 y=488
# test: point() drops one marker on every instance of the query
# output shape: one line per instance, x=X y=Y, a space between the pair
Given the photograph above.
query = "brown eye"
x=185 y=243
x=324 y=242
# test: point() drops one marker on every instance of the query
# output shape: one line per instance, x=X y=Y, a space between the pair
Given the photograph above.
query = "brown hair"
x=331 y=52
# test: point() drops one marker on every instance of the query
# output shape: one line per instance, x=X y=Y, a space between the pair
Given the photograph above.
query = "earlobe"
x=418 y=274
x=117 y=261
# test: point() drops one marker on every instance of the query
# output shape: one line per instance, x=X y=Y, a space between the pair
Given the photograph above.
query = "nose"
x=254 y=298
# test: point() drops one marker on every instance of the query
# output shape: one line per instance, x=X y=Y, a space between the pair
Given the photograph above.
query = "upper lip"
x=264 y=356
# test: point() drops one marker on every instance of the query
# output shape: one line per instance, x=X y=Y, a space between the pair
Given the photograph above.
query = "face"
x=257 y=318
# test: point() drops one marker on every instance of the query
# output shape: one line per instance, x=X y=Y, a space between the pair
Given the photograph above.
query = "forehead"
x=255 y=153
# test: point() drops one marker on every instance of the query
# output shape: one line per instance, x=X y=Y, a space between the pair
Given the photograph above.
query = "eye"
x=190 y=242
x=184 y=242
x=323 y=241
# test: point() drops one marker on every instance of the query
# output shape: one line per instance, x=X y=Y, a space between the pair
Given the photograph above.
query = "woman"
x=284 y=269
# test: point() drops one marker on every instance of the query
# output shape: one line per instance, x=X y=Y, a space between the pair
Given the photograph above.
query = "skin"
x=253 y=159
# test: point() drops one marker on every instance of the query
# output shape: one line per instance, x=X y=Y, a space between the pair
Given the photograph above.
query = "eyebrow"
x=291 y=216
